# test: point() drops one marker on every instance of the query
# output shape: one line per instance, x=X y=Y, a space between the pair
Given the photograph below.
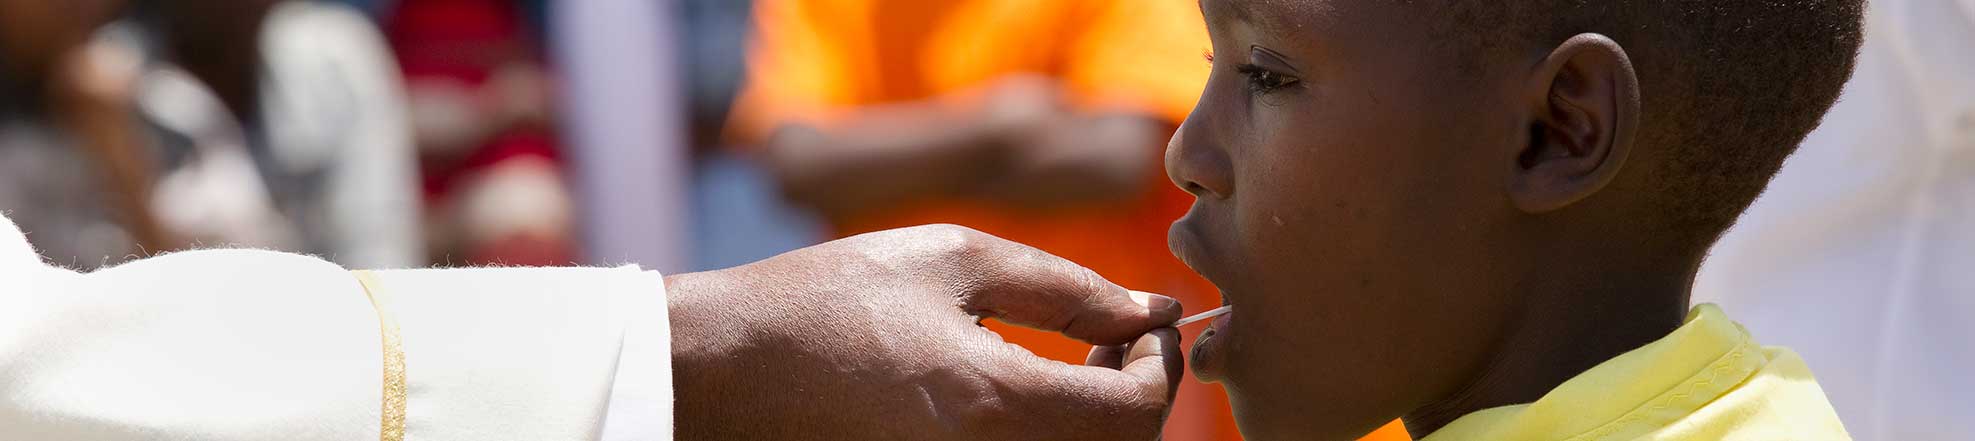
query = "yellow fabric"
x=1708 y=380
x=392 y=425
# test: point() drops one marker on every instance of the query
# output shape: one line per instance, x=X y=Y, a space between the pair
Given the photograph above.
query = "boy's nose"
x=1197 y=165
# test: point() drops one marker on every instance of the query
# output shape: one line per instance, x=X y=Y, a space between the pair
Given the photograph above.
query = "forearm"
x=883 y=157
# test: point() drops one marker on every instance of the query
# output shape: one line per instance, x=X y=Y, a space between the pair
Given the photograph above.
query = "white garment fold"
x=258 y=345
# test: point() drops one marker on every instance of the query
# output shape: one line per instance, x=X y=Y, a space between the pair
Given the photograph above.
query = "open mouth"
x=1188 y=242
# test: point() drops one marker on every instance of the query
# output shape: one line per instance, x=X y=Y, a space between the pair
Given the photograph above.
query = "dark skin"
x=1403 y=237
x=876 y=337
x=1015 y=142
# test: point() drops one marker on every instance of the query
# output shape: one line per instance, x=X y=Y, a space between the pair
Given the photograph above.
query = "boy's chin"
x=1274 y=413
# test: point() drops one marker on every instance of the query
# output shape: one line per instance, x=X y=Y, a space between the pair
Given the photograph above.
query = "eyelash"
x=1260 y=80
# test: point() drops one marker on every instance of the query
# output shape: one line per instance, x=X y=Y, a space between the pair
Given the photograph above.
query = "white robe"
x=261 y=345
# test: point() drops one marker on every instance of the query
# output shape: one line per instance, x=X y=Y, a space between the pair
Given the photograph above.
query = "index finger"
x=1028 y=287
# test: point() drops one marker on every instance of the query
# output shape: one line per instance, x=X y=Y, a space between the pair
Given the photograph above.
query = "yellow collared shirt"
x=1708 y=380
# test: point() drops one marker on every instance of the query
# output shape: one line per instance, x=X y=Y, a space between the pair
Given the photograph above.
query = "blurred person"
x=493 y=169
x=94 y=174
x=274 y=124
x=1858 y=255
x=1040 y=121
x=71 y=158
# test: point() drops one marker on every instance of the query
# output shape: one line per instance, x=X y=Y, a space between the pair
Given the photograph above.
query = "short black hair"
x=1730 y=87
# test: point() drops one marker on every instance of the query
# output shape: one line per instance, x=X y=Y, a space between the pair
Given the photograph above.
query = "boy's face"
x=1349 y=205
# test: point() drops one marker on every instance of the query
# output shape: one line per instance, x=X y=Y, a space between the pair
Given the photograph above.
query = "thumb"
x=1155 y=362
x=1038 y=290
x=1137 y=397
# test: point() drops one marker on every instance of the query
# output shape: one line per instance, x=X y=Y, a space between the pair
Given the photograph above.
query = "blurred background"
x=687 y=135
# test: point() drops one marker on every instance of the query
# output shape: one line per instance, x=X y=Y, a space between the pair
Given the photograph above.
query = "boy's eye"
x=1262 y=80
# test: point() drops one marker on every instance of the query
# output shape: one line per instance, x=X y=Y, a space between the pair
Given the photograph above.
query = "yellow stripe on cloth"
x=393 y=415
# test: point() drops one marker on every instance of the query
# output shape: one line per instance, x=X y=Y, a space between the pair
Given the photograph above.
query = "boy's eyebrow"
x=1238 y=12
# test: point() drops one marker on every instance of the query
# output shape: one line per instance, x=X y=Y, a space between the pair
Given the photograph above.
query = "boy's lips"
x=1191 y=248
x=1209 y=357
x=1187 y=243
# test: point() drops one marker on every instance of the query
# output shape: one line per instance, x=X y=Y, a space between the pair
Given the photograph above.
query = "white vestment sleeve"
x=258 y=345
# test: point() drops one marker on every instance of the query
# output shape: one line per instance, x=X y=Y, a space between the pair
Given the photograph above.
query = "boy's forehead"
x=1274 y=16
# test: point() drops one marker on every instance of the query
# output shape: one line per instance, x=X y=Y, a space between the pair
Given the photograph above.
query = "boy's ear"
x=1585 y=99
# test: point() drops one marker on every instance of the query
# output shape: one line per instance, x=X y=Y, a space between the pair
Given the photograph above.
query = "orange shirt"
x=811 y=61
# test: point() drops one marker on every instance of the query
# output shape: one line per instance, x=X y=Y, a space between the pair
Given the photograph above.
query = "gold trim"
x=393 y=415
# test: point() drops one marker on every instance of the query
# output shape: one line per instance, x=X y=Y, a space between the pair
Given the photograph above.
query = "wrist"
x=710 y=356
x=692 y=348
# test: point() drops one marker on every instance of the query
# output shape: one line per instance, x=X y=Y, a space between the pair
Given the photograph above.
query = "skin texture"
x=1402 y=235
x=876 y=337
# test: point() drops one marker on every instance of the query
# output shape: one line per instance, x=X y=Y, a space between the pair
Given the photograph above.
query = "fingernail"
x=1153 y=301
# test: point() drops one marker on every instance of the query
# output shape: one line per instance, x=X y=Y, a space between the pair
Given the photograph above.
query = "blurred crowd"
x=374 y=134
x=698 y=134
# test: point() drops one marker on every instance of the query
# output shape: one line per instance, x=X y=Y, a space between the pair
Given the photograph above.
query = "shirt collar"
x=1635 y=392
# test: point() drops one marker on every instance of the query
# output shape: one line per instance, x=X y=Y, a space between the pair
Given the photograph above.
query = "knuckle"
x=976 y=248
x=1089 y=283
x=963 y=243
x=941 y=229
x=987 y=411
x=979 y=405
x=959 y=258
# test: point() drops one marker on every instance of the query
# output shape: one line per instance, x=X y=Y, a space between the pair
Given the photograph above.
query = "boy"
x=1485 y=216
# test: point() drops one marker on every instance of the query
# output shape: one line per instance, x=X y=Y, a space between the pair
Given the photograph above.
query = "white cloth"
x=260 y=345
x=1862 y=254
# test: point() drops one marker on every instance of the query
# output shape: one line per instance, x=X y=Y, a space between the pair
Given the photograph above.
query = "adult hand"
x=877 y=337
